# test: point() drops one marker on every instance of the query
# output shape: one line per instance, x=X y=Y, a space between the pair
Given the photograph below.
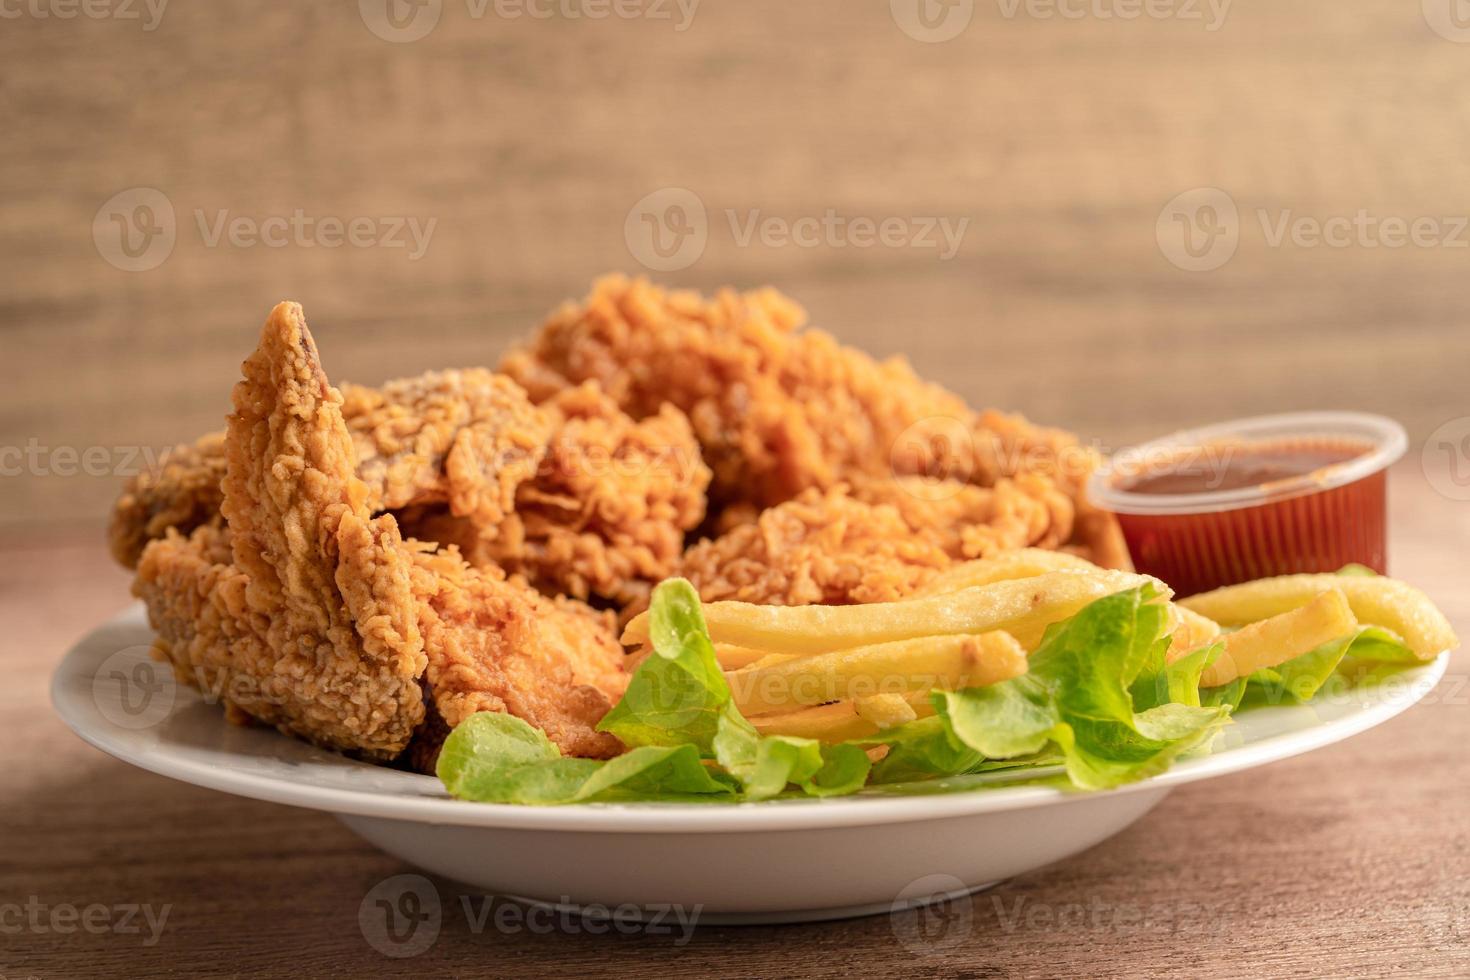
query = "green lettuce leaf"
x=1079 y=697
x=498 y=758
x=677 y=695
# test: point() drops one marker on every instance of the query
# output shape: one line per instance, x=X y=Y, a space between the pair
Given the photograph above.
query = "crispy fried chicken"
x=779 y=409
x=307 y=613
x=875 y=541
x=574 y=495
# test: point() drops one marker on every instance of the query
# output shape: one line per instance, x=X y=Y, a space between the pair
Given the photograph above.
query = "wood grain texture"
x=1353 y=861
x=528 y=141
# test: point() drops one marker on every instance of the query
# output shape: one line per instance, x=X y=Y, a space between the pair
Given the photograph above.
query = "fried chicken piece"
x=322 y=621
x=607 y=510
x=779 y=409
x=575 y=495
x=465 y=438
x=875 y=541
x=823 y=547
x=311 y=625
x=967 y=521
x=183 y=493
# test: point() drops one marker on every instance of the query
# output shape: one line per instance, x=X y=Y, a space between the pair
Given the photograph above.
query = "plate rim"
x=437 y=807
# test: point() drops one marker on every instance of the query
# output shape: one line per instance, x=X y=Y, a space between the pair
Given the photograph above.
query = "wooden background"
x=528 y=141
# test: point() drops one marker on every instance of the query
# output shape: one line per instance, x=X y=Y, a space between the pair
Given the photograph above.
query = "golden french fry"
x=915 y=664
x=828 y=723
x=1009 y=565
x=1276 y=640
x=839 y=721
x=733 y=657
x=1188 y=631
x=1376 y=601
x=887 y=710
x=1022 y=607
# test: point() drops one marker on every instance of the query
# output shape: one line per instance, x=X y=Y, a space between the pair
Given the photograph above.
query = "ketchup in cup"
x=1273 y=495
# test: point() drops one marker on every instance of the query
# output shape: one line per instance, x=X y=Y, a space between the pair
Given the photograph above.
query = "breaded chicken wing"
x=779 y=409
x=607 y=510
x=307 y=613
x=876 y=541
x=312 y=624
x=574 y=495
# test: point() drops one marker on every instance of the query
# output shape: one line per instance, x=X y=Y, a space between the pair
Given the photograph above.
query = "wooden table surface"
x=1351 y=861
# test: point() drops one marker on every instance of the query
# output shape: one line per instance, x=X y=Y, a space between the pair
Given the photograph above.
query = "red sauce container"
x=1229 y=503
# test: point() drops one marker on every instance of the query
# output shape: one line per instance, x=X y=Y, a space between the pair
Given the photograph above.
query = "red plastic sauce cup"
x=1318 y=521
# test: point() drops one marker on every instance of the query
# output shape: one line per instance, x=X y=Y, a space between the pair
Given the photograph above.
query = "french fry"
x=1276 y=640
x=888 y=710
x=1188 y=631
x=734 y=657
x=1022 y=607
x=828 y=723
x=1007 y=566
x=841 y=720
x=914 y=664
x=1384 y=602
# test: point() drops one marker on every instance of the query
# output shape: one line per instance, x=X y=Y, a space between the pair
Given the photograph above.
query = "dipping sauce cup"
x=1272 y=495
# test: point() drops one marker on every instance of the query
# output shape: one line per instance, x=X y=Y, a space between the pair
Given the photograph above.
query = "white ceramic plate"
x=784 y=860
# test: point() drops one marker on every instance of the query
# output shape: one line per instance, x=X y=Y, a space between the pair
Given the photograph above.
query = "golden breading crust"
x=779 y=409
x=311 y=626
x=497 y=645
x=822 y=547
x=307 y=614
x=877 y=541
x=468 y=438
x=606 y=511
x=575 y=495
x=182 y=493
x=463 y=438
